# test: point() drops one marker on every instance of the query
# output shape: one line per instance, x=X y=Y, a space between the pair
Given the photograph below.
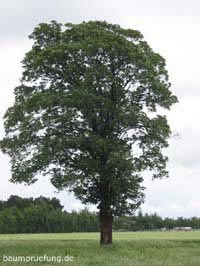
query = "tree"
x=86 y=114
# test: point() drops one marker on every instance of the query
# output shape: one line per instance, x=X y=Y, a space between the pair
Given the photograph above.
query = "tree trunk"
x=106 y=220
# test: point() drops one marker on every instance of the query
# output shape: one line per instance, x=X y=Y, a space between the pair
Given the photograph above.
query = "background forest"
x=45 y=215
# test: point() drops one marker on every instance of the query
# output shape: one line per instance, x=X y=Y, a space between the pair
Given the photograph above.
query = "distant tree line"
x=143 y=222
x=44 y=215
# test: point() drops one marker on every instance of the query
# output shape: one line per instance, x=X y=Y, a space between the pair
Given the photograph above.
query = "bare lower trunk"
x=106 y=220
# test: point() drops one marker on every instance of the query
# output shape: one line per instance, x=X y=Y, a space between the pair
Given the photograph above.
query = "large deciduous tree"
x=86 y=114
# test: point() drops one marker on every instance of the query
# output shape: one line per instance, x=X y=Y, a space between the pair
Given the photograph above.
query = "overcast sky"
x=172 y=28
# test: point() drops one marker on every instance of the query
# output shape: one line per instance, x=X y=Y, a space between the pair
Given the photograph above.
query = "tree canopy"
x=86 y=114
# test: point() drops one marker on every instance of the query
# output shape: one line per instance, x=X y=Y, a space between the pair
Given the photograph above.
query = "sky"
x=172 y=28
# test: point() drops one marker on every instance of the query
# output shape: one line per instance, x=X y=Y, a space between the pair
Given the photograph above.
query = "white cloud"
x=190 y=209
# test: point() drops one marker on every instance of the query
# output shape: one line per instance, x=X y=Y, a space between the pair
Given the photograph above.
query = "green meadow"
x=135 y=249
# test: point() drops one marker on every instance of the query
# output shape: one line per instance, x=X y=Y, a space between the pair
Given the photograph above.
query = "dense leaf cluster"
x=86 y=113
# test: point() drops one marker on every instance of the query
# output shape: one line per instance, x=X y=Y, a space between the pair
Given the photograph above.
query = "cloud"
x=183 y=119
x=173 y=196
x=18 y=18
x=190 y=209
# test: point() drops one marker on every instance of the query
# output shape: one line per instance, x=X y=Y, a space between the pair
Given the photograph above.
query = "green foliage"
x=41 y=215
x=86 y=113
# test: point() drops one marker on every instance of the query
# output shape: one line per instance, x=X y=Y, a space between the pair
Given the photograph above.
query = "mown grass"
x=129 y=249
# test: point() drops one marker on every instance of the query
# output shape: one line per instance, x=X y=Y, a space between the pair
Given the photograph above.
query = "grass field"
x=135 y=249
